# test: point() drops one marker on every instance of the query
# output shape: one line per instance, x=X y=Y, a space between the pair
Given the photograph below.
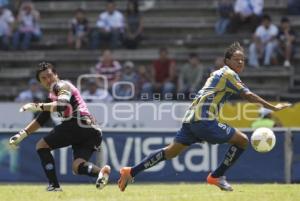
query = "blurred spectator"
x=127 y=91
x=79 y=30
x=294 y=7
x=109 y=27
x=96 y=94
x=6 y=23
x=266 y=119
x=286 y=41
x=33 y=94
x=144 y=87
x=225 y=12
x=4 y=3
x=109 y=68
x=246 y=12
x=15 y=5
x=190 y=76
x=264 y=43
x=12 y=5
x=148 y=5
x=164 y=74
x=219 y=63
x=28 y=27
x=133 y=25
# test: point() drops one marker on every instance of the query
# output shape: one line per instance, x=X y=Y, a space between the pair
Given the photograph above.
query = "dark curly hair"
x=232 y=49
x=42 y=66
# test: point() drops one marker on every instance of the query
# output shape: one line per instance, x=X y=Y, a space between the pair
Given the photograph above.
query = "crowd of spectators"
x=113 y=80
x=115 y=29
x=272 y=44
x=19 y=27
x=163 y=78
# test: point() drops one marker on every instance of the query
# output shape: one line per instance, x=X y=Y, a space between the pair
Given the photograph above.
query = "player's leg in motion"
x=239 y=142
x=82 y=153
x=169 y=152
x=48 y=165
x=83 y=167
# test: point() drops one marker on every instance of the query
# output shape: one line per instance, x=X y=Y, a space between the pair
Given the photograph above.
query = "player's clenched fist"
x=17 y=138
x=32 y=107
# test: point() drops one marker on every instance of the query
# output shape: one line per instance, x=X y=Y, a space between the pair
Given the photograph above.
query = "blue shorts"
x=212 y=132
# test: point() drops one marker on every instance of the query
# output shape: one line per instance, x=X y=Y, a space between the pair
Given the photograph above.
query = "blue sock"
x=231 y=156
x=149 y=161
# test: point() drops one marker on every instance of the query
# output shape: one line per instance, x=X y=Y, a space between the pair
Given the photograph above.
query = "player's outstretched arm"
x=254 y=98
x=63 y=92
x=38 y=107
x=15 y=140
x=32 y=107
x=33 y=126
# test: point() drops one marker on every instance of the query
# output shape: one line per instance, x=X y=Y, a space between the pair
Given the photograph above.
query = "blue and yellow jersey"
x=218 y=88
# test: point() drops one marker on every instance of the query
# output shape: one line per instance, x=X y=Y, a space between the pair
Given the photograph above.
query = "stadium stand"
x=182 y=26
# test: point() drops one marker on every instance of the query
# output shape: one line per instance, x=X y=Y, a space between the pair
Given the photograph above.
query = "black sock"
x=48 y=165
x=149 y=161
x=86 y=168
x=231 y=156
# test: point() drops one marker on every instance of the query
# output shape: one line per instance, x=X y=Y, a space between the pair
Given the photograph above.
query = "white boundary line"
x=152 y=130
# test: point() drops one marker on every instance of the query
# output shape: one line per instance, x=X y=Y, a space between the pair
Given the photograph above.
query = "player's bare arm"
x=33 y=126
x=254 y=98
x=30 y=128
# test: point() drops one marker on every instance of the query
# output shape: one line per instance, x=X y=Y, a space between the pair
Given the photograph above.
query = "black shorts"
x=84 y=140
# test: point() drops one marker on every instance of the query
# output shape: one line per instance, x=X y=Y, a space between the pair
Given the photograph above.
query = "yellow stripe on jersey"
x=213 y=110
x=235 y=81
x=218 y=87
x=198 y=109
x=216 y=96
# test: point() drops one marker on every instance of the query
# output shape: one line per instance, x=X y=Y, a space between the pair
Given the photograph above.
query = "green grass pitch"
x=152 y=192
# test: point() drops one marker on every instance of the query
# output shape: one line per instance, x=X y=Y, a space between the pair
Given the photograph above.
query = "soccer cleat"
x=125 y=178
x=220 y=182
x=103 y=177
x=52 y=188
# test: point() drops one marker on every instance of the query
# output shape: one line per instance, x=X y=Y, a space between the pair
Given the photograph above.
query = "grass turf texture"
x=152 y=192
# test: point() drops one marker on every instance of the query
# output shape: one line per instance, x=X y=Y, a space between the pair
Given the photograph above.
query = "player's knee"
x=41 y=144
x=169 y=154
x=173 y=150
x=75 y=168
x=77 y=164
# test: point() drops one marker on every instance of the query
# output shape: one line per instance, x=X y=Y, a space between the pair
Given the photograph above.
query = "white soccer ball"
x=263 y=140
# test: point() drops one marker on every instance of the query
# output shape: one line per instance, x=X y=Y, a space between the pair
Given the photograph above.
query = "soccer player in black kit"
x=77 y=129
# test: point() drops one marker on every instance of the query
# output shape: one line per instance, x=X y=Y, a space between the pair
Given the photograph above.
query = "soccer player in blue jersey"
x=200 y=121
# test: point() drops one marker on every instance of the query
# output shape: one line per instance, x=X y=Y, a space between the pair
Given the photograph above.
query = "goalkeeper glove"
x=32 y=107
x=17 y=138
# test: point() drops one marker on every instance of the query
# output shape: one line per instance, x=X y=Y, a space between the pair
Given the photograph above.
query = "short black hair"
x=135 y=10
x=110 y=1
x=79 y=10
x=266 y=17
x=42 y=66
x=285 y=19
x=163 y=49
x=193 y=55
x=232 y=49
